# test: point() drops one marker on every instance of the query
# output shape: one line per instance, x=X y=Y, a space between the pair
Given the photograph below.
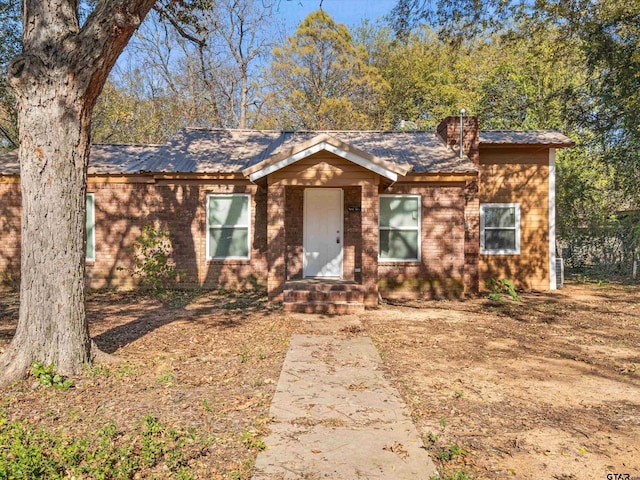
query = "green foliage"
x=253 y=442
x=48 y=377
x=245 y=356
x=152 y=262
x=449 y=453
x=27 y=453
x=166 y=379
x=498 y=288
x=122 y=114
x=322 y=80
x=456 y=475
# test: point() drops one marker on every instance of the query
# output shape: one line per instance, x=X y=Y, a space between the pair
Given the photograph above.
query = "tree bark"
x=57 y=80
x=243 y=100
x=52 y=326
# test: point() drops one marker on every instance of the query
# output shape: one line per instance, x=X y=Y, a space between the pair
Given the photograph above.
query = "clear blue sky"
x=349 y=12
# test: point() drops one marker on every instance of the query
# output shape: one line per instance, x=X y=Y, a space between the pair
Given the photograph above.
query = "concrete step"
x=324 y=287
x=330 y=296
x=329 y=308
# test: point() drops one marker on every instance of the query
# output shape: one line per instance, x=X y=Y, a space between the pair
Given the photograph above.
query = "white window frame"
x=93 y=230
x=418 y=228
x=516 y=228
x=209 y=227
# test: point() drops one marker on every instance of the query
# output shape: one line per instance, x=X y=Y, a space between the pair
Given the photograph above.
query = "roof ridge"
x=521 y=130
x=251 y=130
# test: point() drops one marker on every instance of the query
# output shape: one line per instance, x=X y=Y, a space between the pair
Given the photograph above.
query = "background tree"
x=195 y=67
x=580 y=72
x=427 y=79
x=322 y=80
x=245 y=28
x=9 y=48
x=56 y=80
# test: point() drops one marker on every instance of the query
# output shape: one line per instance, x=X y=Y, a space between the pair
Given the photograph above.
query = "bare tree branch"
x=166 y=15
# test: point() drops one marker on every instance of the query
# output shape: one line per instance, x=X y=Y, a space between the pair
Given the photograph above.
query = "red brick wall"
x=121 y=212
x=352 y=234
x=294 y=231
x=370 y=271
x=276 y=252
x=449 y=131
x=10 y=211
x=471 y=237
x=440 y=273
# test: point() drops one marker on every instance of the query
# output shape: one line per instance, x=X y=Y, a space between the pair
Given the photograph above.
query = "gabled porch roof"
x=325 y=142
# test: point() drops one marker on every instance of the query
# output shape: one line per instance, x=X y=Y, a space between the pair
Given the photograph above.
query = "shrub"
x=499 y=287
x=108 y=453
x=152 y=263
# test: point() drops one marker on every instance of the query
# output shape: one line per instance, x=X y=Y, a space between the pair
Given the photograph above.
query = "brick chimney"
x=449 y=132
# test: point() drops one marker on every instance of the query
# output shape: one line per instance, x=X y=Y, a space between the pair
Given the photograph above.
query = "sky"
x=349 y=12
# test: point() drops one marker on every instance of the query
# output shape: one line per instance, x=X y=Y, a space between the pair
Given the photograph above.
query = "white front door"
x=323 y=232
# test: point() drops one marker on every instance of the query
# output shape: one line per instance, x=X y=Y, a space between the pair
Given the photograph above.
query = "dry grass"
x=545 y=388
x=210 y=366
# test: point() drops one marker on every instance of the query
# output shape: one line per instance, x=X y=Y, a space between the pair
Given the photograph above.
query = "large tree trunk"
x=56 y=81
x=52 y=326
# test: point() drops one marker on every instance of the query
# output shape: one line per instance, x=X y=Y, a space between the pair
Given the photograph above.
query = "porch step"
x=333 y=308
x=329 y=296
x=333 y=298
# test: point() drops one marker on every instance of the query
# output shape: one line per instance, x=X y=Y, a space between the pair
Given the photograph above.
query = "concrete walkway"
x=335 y=416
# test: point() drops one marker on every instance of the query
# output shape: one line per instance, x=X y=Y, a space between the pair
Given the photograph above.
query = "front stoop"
x=328 y=297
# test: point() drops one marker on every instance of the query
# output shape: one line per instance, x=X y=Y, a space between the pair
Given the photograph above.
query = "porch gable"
x=325 y=142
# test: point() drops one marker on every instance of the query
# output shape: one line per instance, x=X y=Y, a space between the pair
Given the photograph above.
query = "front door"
x=323 y=233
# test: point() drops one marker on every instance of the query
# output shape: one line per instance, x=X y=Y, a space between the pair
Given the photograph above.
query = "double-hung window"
x=399 y=228
x=500 y=228
x=90 y=227
x=228 y=226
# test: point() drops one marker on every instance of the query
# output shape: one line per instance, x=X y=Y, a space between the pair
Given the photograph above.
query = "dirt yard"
x=545 y=388
x=209 y=367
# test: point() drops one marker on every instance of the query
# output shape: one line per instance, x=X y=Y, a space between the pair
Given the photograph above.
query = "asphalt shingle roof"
x=104 y=158
x=524 y=137
x=231 y=151
x=222 y=151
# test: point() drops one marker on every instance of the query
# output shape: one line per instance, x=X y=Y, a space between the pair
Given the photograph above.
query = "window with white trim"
x=90 y=227
x=500 y=228
x=399 y=228
x=228 y=226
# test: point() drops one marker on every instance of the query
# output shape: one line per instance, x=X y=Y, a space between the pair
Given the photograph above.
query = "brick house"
x=324 y=220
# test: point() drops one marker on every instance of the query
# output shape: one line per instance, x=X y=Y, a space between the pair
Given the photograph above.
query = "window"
x=228 y=222
x=90 y=223
x=399 y=228
x=500 y=228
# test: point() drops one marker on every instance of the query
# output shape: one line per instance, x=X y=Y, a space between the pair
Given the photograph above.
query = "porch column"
x=369 y=212
x=275 y=242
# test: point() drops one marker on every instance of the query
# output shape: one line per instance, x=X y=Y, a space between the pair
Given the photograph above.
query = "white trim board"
x=307 y=152
x=553 y=284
